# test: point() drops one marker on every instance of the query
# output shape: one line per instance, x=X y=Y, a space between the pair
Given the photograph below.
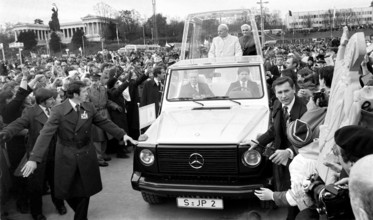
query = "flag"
x=290 y=13
x=168 y=45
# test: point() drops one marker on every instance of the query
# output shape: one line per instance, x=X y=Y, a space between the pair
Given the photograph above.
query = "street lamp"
x=83 y=45
x=155 y=29
x=20 y=55
x=262 y=20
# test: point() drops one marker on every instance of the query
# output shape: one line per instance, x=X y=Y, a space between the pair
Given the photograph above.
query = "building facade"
x=353 y=17
x=91 y=25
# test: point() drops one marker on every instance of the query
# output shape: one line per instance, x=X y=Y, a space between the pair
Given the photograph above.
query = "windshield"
x=201 y=28
x=215 y=84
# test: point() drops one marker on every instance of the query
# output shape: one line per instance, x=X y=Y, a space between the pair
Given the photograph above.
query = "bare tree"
x=107 y=13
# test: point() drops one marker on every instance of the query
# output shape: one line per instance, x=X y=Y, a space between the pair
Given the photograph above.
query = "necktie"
x=195 y=87
x=285 y=113
x=48 y=111
x=243 y=85
x=77 y=108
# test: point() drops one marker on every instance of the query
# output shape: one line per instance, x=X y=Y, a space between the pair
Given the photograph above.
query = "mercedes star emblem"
x=196 y=161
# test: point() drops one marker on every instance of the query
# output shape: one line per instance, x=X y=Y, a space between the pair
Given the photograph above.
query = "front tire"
x=152 y=199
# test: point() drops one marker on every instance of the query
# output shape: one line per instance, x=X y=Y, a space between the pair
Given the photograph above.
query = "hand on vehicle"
x=253 y=144
x=264 y=194
x=128 y=138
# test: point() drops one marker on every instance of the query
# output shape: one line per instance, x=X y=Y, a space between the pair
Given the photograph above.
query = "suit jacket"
x=252 y=87
x=275 y=71
x=76 y=172
x=277 y=134
x=151 y=93
x=277 y=131
x=247 y=45
x=188 y=91
x=33 y=119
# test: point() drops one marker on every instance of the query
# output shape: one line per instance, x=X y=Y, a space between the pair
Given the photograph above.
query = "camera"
x=330 y=200
x=321 y=97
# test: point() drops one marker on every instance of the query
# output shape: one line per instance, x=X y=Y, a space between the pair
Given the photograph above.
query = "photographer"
x=354 y=143
x=321 y=98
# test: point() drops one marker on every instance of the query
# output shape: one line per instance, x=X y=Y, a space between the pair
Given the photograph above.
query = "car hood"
x=206 y=126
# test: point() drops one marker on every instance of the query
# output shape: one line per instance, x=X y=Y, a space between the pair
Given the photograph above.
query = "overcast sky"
x=26 y=11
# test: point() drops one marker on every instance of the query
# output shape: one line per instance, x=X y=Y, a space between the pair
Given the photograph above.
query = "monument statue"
x=54 y=24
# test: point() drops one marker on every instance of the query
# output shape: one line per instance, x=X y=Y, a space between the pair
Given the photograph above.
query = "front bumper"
x=164 y=188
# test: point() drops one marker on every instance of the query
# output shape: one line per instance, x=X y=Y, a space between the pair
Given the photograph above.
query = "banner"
x=147 y=115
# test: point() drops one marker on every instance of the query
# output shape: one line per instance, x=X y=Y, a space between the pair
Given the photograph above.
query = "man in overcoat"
x=33 y=119
x=77 y=174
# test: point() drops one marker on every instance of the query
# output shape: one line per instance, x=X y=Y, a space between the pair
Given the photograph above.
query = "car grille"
x=216 y=159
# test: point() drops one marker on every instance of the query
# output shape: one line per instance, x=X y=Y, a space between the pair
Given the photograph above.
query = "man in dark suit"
x=247 y=41
x=195 y=89
x=33 y=119
x=288 y=107
x=153 y=89
x=77 y=174
x=244 y=84
x=275 y=70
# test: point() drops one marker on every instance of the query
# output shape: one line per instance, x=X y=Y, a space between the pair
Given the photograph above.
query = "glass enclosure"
x=215 y=83
x=201 y=28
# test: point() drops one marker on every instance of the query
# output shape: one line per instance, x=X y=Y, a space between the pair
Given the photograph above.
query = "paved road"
x=119 y=201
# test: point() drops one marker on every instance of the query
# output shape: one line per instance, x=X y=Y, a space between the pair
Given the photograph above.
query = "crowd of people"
x=54 y=110
x=113 y=84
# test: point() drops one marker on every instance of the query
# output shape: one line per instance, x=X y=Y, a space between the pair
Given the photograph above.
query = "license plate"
x=200 y=203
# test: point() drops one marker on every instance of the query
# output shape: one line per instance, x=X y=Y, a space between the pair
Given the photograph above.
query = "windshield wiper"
x=222 y=98
x=186 y=99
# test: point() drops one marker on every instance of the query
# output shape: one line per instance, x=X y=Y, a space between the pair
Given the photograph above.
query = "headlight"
x=146 y=157
x=251 y=158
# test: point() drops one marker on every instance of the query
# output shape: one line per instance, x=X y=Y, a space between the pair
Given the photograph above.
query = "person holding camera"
x=287 y=107
x=353 y=142
x=321 y=97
